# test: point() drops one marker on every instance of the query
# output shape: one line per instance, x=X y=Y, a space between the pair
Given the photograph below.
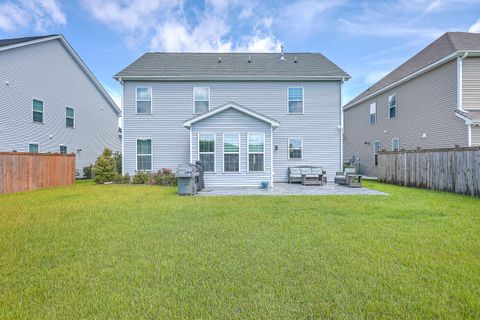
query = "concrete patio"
x=285 y=189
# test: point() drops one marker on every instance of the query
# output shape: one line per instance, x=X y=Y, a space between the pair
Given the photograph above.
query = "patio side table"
x=354 y=180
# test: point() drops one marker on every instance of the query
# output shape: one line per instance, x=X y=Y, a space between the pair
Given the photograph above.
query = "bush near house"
x=104 y=168
x=87 y=172
x=141 y=177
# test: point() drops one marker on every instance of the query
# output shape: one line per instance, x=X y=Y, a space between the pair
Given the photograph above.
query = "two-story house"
x=430 y=101
x=51 y=102
x=246 y=116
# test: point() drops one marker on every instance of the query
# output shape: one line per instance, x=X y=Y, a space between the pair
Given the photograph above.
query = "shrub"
x=117 y=156
x=119 y=179
x=104 y=167
x=87 y=172
x=141 y=177
x=164 y=177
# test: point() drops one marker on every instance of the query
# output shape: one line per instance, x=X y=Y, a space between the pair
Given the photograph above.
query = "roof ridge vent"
x=219 y=60
x=249 y=60
x=282 y=57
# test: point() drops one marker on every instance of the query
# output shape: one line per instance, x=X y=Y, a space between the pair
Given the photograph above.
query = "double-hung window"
x=206 y=151
x=37 y=107
x=295 y=148
x=373 y=113
x=144 y=100
x=295 y=100
x=33 y=147
x=63 y=149
x=256 y=152
x=395 y=144
x=69 y=117
x=231 y=152
x=201 y=99
x=144 y=155
x=392 y=106
x=376 y=150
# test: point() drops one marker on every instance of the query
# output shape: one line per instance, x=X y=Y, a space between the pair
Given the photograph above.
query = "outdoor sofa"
x=311 y=174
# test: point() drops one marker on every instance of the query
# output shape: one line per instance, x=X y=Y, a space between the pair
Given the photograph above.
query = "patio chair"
x=342 y=178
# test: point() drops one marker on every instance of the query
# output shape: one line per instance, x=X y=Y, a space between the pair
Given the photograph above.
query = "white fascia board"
x=233 y=78
x=407 y=78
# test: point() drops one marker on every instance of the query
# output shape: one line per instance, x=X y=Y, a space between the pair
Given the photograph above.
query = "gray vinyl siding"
x=425 y=104
x=233 y=121
x=47 y=72
x=476 y=136
x=172 y=104
x=471 y=83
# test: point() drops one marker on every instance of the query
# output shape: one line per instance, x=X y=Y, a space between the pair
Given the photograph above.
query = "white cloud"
x=165 y=25
x=475 y=27
x=374 y=76
x=38 y=14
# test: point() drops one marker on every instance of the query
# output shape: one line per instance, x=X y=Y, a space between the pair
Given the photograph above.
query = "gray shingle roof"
x=9 y=42
x=235 y=66
x=447 y=44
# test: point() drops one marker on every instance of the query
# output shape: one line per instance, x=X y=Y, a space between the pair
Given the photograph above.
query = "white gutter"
x=407 y=78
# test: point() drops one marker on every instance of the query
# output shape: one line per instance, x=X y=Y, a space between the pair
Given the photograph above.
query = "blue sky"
x=365 y=38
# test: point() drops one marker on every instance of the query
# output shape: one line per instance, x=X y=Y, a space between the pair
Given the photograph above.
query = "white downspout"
x=271 y=157
x=460 y=80
x=122 y=121
x=191 y=155
x=469 y=135
x=341 y=124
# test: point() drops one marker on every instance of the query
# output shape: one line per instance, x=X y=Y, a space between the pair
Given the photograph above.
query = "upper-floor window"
x=206 y=151
x=37 y=111
x=295 y=100
x=33 y=147
x=376 y=150
x=256 y=151
x=373 y=113
x=144 y=100
x=231 y=152
x=295 y=148
x=63 y=149
x=70 y=117
x=395 y=144
x=144 y=155
x=392 y=106
x=201 y=99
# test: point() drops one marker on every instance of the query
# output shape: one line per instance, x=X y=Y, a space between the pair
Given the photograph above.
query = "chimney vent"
x=249 y=60
x=282 y=57
x=219 y=60
x=295 y=60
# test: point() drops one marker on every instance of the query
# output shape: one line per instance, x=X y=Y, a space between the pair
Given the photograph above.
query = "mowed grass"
x=142 y=252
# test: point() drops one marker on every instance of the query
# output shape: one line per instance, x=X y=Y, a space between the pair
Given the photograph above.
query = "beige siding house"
x=430 y=101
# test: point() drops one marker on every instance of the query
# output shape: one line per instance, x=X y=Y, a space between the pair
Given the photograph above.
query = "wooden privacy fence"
x=454 y=170
x=23 y=171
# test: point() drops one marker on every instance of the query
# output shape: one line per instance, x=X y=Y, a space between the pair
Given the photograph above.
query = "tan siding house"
x=430 y=101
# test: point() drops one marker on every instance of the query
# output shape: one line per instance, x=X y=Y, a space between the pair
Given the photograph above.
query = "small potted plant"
x=264 y=184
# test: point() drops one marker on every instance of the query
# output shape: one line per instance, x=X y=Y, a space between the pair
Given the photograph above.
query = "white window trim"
x=396 y=104
x=74 y=114
x=239 y=152
x=214 y=150
x=62 y=145
x=136 y=100
x=398 y=141
x=288 y=148
x=38 y=147
x=43 y=112
x=375 y=113
x=136 y=154
x=193 y=100
x=248 y=152
x=303 y=100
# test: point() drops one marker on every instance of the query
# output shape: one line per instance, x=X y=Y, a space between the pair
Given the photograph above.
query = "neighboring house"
x=246 y=116
x=430 y=101
x=51 y=102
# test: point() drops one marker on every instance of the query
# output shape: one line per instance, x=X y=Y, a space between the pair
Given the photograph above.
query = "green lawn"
x=141 y=252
